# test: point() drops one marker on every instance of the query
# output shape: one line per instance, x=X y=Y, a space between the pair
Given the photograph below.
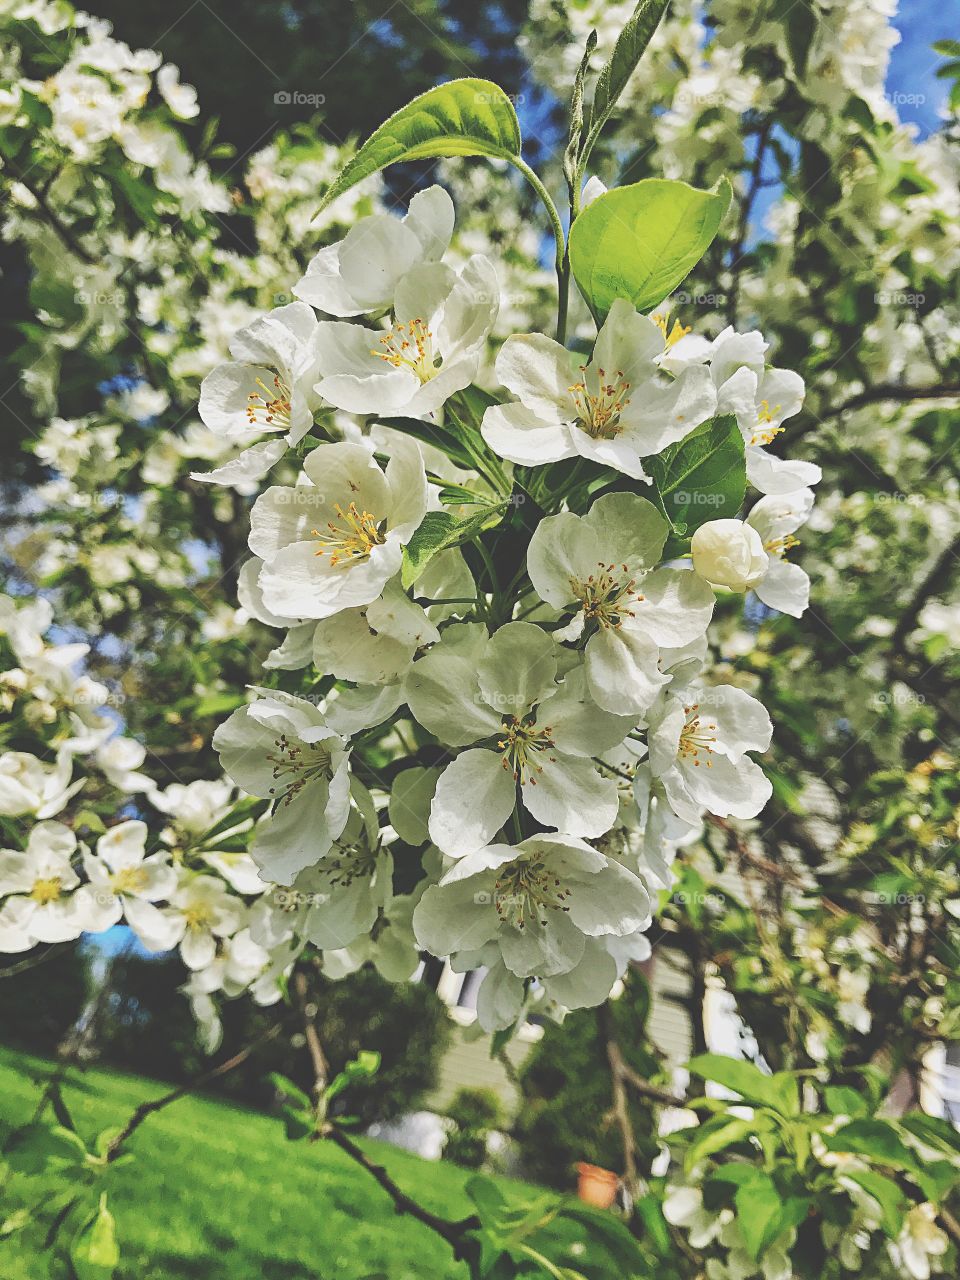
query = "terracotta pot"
x=596 y=1186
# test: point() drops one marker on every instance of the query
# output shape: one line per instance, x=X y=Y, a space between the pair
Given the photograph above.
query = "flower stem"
x=562 y=260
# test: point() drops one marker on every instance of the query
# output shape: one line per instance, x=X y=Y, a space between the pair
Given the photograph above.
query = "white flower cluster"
x=566 y=738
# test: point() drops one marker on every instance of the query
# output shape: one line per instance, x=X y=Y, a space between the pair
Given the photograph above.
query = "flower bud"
x=728 y=553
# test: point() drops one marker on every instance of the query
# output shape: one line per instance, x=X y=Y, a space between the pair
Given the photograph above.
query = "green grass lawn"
x=217 y=1192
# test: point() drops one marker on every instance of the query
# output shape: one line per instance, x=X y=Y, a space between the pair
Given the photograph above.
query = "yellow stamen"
x=269 y=408
x=294 y=765
x=780 y=546
x=525 y=891
x=45 y=891
x=523 y=743
x=129 y=880
x=353 y=537
x=696 y=737
x=598 y=413
x=410 y=346
x=768 y=433
x=607 y=595
x=670 y=336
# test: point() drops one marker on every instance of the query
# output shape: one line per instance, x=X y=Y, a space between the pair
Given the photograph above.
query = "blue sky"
x=913 y=63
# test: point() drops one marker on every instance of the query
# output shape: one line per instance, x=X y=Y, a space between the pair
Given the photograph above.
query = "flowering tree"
x=486 y=694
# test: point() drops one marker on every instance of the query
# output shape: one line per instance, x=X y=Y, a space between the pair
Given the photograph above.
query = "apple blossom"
x=360 y=274
x=334 y=541
x=616 y=409
x=441 y=321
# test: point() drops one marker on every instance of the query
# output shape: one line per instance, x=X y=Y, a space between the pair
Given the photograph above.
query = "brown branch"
x=743 y=225
x=308 y=1013
x=51 y=215
x=34 y=962
x=935 y=578
x=146 y=1109
x=950 y=1222
x=623 y=1075
x=893 y=391
x=453 y=1232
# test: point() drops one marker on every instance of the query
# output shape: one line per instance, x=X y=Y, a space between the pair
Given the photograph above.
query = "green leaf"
x=702 y=478
x=639 y=242
x=799 y=25
x=364 y=1065
x=889 y=1197
x=627 y=52
x=216 y=704
x=933 y=1131
x=608 y=1233
x=460 y=118
x=779 y=1091
x=14 y=1223
x=487 y=1198
x=759 y=1210
x=289 y=1089
x=845 y=1101
x=720 y=1132
x=94 y=1251
x=439 y=531
x=876 y=1139
x=431 y=433
x=39 y=1147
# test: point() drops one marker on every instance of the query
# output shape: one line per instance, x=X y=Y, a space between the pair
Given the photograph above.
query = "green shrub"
x=566 y=1115
x=475 y=1111
x=147 y=1027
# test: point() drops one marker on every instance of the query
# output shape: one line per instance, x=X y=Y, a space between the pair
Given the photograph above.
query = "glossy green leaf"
x=440 y=530
x=460 y=118
x=717 y=1134
x=639 y=242
x=876 y=1139
x=703 y=477
x=893 y=1204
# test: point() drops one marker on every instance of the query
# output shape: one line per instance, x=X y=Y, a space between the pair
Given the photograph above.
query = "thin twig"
x=308 y=1013
x=51 y=215
x=146 y=1109
x=453 y=1232
x=33 y=962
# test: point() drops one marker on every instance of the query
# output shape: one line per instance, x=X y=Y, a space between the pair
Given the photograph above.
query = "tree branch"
x=893 y=391
x=454 y=1232
x=146 y=1109
x=51 y=215
x=736 y=250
